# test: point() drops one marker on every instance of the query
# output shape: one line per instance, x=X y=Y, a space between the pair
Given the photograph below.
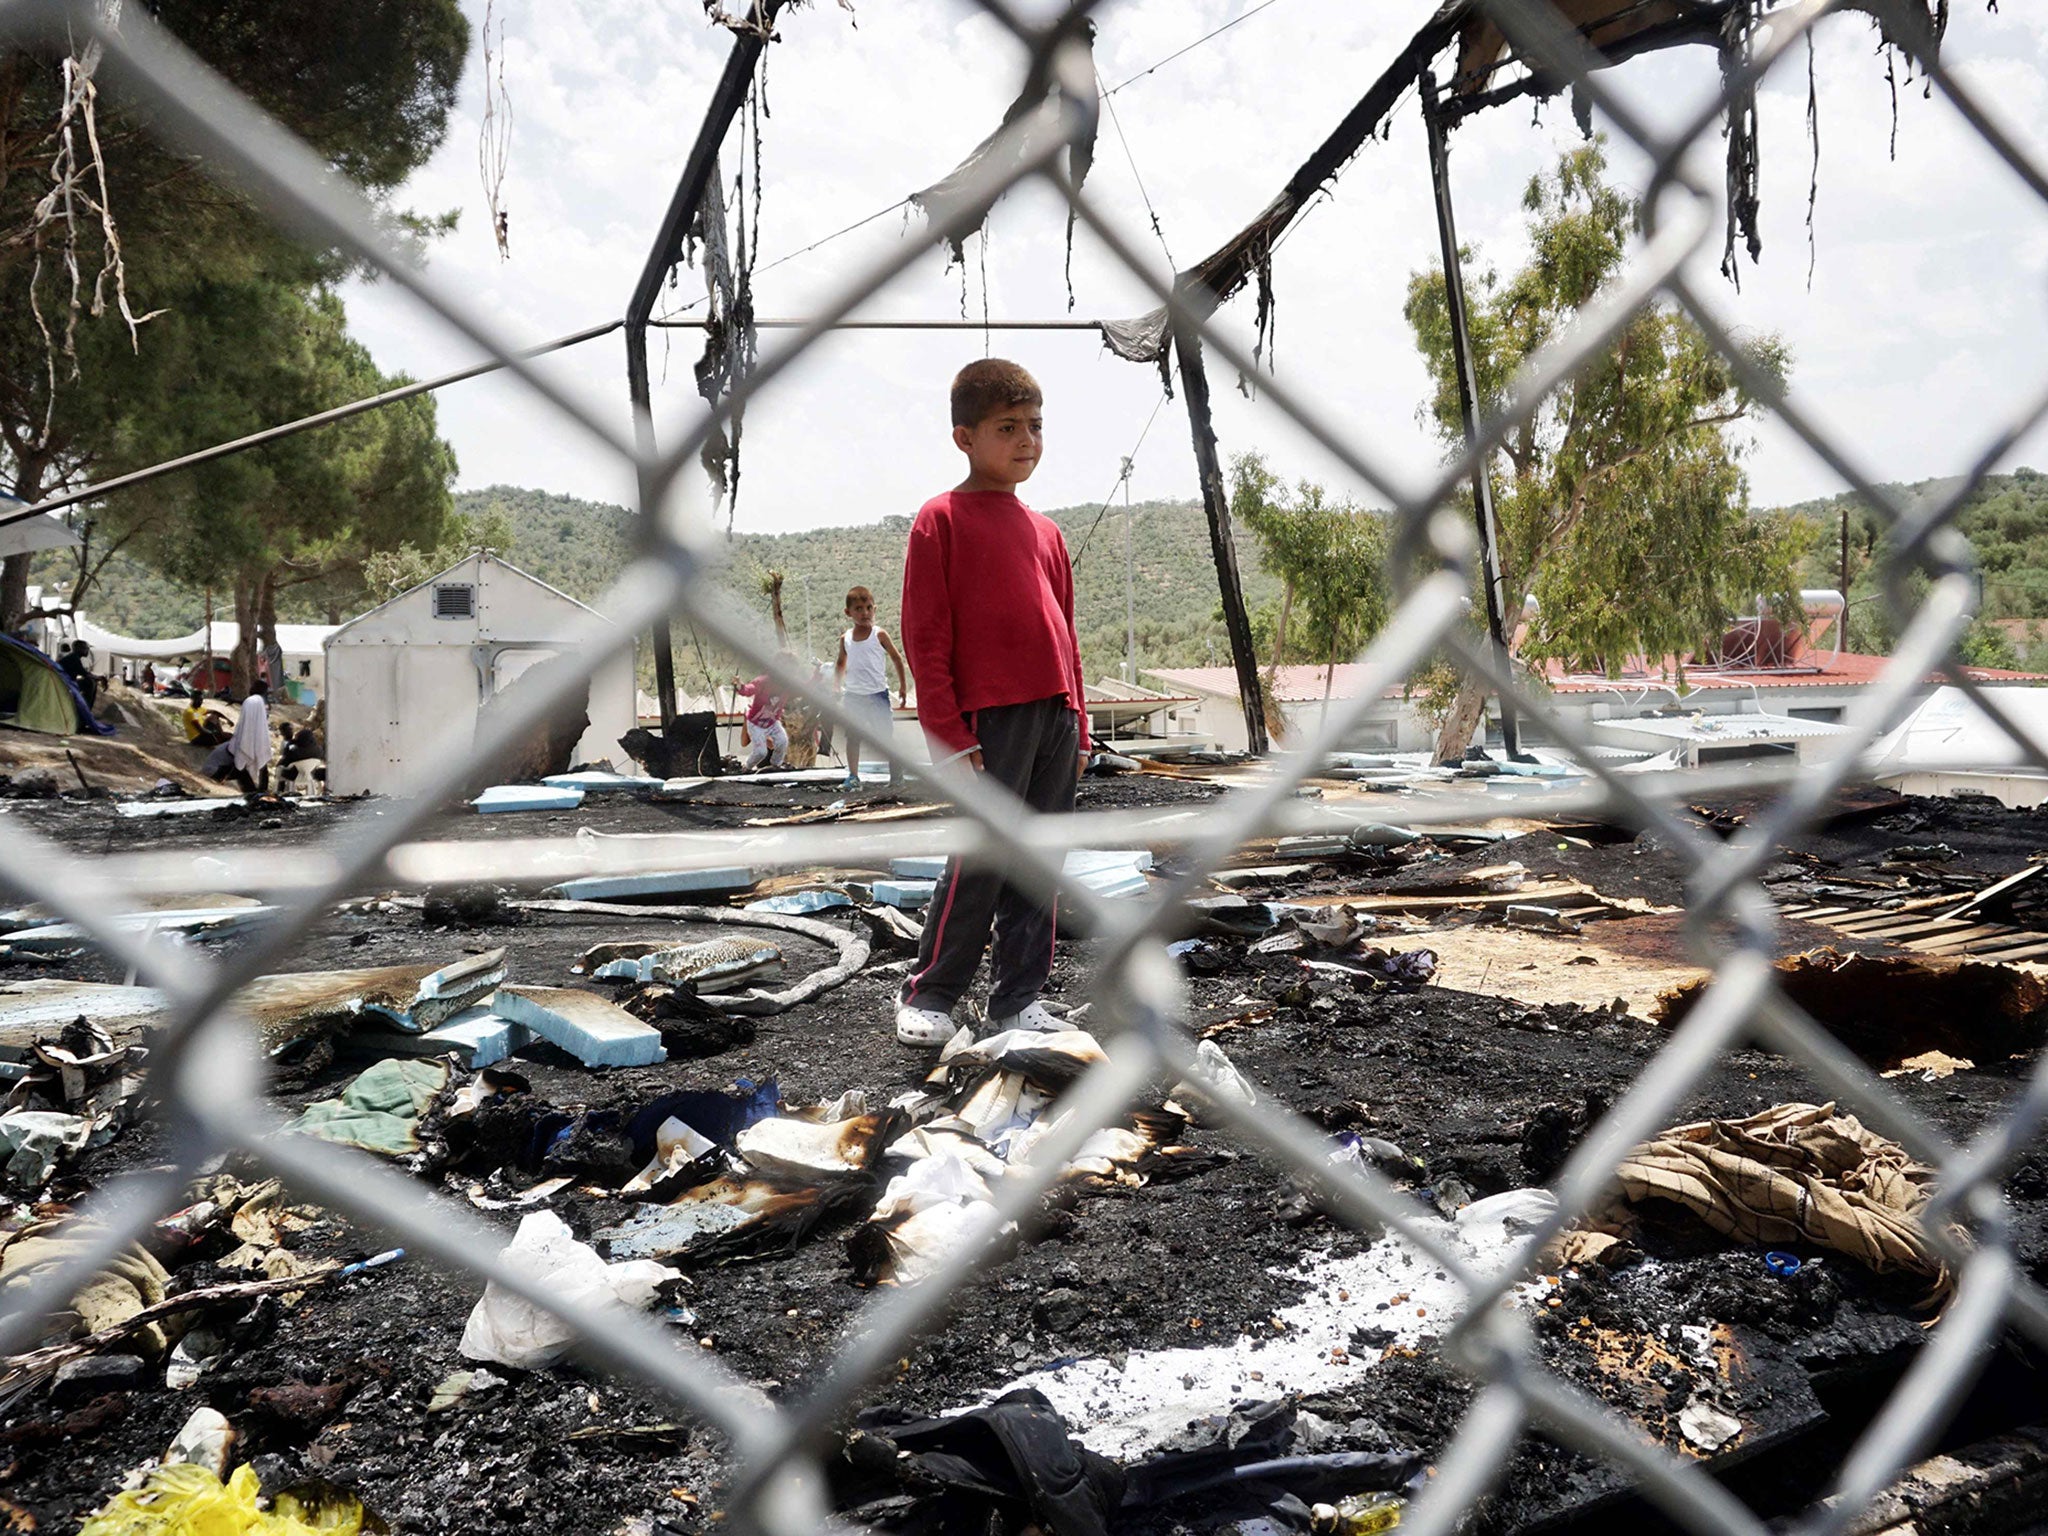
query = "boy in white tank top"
x=862 y=676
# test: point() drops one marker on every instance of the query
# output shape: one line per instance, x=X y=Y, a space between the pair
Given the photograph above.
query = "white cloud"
x=1922 y=330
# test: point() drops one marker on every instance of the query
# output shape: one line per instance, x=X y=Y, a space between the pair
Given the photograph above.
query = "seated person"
x=300 y=742
x=75 y=662
x=203 y=727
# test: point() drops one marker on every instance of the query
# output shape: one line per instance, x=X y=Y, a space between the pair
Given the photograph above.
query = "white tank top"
x=867 y=668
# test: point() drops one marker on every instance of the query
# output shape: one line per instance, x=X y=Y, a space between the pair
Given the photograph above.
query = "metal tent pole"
x=286 y=429
x=1194 y=381
x=726 y=98
x=1468 y=403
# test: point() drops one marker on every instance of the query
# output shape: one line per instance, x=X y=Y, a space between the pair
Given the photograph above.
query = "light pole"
x=1130 y=571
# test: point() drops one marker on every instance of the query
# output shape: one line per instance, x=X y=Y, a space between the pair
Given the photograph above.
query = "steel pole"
x=1194 y=383
x=1130 y=581
x=726 y=98
x=1468 y=404
x=288 y=428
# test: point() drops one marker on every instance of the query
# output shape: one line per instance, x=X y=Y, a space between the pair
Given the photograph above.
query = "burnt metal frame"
x=727 y=97
x=1486 y=526
x=209 y=1084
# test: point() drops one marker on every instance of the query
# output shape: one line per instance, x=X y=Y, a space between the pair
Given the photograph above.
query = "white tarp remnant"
x=512 y=1331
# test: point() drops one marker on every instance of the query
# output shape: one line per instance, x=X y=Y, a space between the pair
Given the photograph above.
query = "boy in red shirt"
x=988 y=626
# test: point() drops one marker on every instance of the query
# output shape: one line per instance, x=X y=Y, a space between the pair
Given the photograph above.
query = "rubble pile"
x=699 y=1113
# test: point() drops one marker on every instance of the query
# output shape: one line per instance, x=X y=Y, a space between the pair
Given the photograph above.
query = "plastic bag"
x=511 y=1331
x=187 y=1500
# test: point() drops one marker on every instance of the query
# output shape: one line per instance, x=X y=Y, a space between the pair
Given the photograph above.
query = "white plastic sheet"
x=512 y=1331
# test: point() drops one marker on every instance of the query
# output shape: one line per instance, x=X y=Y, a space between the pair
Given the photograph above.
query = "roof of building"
x=293 y=639
x=475 y=564
x=1291 y=685
x=1722 y=730
x=1949 y=730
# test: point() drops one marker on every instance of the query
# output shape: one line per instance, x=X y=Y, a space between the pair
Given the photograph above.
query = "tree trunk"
x=1269 y=694
x=266 y=633
x=242 y=660
x=14 y=591
x=28 y=486
x=1466 y=712
x=1280 y=628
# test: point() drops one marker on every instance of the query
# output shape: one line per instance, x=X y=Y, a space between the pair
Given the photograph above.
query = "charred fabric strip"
x=1889 y=1008
x=1040 y=103
x=851 y=945
x=731 y=342
x=1015 y=1460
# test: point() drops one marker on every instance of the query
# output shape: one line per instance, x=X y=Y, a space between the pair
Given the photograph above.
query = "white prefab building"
x=1948 y=746
x=406 y=681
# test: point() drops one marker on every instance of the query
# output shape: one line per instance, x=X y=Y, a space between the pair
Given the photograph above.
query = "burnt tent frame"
x=1606 y=33
x=1609 y=32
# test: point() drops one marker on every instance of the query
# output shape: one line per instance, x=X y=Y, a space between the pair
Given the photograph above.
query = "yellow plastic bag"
x=185 y=1500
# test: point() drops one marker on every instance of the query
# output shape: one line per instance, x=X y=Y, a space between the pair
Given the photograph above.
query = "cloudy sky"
x=1922 y=329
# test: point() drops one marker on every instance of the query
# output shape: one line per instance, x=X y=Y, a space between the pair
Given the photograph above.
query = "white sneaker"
x=1032 y=1016
x=923 y=1027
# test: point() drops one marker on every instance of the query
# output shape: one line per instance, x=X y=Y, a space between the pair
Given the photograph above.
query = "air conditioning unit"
x=455 y=600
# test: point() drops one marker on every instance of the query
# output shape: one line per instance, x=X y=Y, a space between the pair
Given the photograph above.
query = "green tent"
x=35 y=696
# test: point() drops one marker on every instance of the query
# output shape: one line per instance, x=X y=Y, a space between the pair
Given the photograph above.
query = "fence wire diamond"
x=210 y=1087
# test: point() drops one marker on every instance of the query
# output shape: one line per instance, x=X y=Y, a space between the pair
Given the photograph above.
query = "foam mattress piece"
x=1109 y=872
x=526 y=797
x=681 y=788
x=39 y=1005
x=1081 y=861
x=919 y=867
x=596 y=782
x=595 y=1032
x=481 y=1036
x=801 y=901
x=669 y=882
x=903 y=893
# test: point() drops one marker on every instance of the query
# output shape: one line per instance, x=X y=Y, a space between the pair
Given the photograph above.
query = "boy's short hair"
x=983 y=388
x=854 y=594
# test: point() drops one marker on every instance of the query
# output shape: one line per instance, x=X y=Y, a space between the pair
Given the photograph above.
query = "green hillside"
x=2006 y=523
x=577 y=545
x=580 y=545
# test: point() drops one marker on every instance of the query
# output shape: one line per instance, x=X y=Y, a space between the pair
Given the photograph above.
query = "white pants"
x=771 y=744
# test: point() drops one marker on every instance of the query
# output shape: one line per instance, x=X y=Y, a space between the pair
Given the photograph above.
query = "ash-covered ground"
x=1487 y=1093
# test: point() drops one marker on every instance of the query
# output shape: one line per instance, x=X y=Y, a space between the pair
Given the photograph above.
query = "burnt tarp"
x=962 y=190
x=1616 y=29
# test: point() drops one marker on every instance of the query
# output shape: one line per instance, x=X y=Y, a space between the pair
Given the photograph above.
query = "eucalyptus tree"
x=1622 y=502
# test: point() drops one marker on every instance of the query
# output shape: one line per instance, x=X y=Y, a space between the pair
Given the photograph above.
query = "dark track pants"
x=1032 y=750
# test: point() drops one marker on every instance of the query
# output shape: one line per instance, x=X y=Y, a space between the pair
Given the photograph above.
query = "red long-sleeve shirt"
x=988 y=613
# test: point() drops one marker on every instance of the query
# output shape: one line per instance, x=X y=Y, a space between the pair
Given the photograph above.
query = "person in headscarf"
x=248 y=760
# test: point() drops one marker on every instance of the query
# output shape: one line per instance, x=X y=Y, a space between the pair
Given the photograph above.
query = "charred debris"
x=685 y=1097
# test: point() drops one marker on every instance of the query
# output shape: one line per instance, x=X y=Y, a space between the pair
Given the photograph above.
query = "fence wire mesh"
x=210 y=1087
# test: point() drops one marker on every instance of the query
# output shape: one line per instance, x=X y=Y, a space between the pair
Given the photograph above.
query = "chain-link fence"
x=209 y=1082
